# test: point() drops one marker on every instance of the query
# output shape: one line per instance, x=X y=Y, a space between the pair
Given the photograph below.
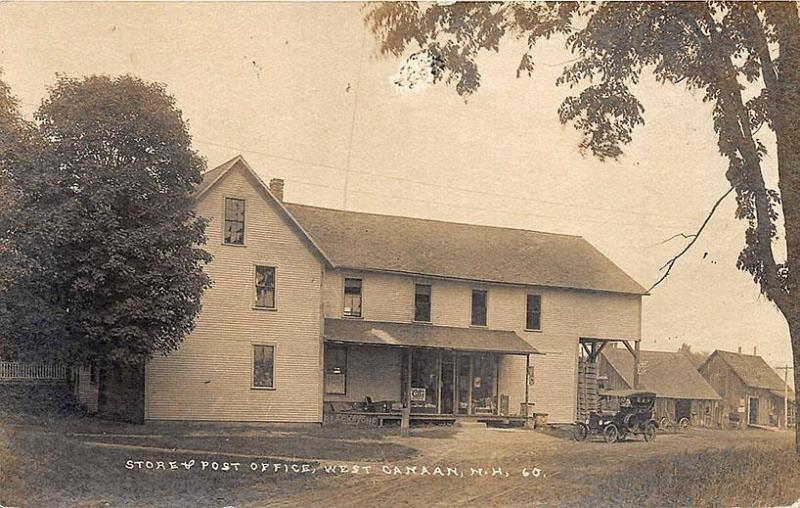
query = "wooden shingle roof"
x=388 y=243
x=669 y=375
x=754 y=371
x=370 y=241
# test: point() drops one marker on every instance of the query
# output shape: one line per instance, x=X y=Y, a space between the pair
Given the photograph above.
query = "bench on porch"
x=354 y=413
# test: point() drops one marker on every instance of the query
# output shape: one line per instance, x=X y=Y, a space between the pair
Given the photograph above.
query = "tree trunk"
x=794 y=330
x=786 y=92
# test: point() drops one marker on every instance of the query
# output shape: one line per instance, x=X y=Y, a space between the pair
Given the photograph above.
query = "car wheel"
x=580 y=432
x=684 y=423
x=610 y=433
x=664 y=423
x=650 y=432
x=629 y=423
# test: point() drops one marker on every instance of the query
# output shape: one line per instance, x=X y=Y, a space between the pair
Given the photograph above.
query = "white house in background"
x=313 y=309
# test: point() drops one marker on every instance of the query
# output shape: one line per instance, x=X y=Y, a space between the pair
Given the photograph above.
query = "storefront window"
x=335 y=370
x=424 y=382
x=484 y=384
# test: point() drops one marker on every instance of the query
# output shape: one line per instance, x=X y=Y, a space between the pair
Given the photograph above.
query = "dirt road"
x=537 y=469
x=83 y=463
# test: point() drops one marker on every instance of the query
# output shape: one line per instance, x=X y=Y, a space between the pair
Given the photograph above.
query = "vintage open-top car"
x=634 y=415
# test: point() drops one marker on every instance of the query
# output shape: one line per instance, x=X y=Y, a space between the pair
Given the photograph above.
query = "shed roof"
x=371 y=241
x=669 y=375
x=754 y=372
x=423 y=335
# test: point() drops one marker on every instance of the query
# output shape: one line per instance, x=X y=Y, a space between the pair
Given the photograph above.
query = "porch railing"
x=33 y=373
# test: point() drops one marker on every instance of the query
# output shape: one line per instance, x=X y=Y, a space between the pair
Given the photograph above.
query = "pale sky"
x=300 y=92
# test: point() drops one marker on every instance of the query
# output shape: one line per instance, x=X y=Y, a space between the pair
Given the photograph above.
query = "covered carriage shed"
x=681 y=392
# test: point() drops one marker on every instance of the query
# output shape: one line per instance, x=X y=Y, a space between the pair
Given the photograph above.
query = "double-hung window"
x=479 y=307
x=352 y=298
x=422 y=302
x=234 y=221
x=265 y=287
x=263 y=366
x=533 y=313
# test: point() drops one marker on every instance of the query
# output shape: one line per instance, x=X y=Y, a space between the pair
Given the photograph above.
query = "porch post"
x=439 y=381
x=527 y=371
x=636 y=365
x=497 y=385
x=405 y=418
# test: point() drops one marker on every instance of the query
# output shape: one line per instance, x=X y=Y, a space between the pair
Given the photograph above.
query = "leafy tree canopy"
x=108 y=264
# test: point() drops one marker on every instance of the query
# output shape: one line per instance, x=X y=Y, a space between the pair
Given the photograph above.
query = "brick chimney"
x=754 y=351
x=740 y=349
x=276 y=188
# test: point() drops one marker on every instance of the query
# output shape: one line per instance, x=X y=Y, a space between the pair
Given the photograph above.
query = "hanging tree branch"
x=671 y=263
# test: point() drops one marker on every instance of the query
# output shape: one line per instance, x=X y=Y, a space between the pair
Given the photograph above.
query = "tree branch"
x=678 y=235
x=671 y=263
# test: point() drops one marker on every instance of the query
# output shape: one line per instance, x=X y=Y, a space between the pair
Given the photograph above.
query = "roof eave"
x=480 y=281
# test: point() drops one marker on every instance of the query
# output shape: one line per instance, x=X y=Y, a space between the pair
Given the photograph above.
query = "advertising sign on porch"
x=418 y=394
x=531 y=377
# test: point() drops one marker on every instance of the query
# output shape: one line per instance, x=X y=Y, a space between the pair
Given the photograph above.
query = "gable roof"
x=753 y=371
x=212 y=176
x=669 y=375
x=371 y=241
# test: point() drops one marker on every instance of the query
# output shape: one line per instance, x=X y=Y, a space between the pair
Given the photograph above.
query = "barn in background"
x=752 y=392
x=681 y=391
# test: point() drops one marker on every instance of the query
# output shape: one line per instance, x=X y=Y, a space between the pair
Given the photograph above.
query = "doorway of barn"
x=752 y=412
x=683 y=409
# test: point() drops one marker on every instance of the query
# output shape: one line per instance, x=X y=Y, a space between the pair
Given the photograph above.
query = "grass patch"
x=299 y=445
x=51 y=470
x=708 y=478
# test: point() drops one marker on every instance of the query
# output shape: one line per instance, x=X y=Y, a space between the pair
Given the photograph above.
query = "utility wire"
x=353 y=117
x=441 y=186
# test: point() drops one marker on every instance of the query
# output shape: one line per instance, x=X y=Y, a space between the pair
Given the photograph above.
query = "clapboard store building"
x=315 y=311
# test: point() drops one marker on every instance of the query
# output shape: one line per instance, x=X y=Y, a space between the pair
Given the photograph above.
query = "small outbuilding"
x=752 y=392
x=681 y=392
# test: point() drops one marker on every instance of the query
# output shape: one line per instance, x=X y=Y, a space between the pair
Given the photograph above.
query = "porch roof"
x=423 y=335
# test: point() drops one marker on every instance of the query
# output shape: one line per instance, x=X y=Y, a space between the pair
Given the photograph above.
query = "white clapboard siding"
x=209 y=376
x=567 y=315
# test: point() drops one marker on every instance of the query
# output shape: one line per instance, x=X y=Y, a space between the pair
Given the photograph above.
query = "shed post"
x=636 y=365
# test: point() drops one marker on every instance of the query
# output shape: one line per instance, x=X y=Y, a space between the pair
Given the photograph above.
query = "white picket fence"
x=33 y=373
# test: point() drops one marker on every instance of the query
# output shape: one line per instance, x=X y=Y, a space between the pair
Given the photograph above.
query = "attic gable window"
x=352 y=297
x=533 y=313
x=479 y=307
x=234 y=221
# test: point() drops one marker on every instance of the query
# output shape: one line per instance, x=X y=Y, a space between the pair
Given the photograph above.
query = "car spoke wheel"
x=610 y=433
x=650 y=432
x=665 y=423
x=580 y=432
x=684 y=423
